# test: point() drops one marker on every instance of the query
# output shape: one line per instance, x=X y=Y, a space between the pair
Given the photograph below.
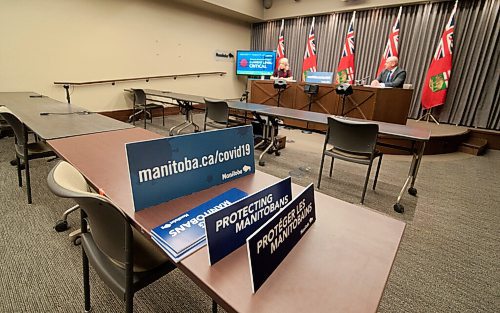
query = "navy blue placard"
x=178 y=257
x=271 y=243
x=187 y=229
x=319 y=77
x=228 y=229
x=167 y=168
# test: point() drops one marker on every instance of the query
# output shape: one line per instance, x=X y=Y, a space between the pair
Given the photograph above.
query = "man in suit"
x=392 y=76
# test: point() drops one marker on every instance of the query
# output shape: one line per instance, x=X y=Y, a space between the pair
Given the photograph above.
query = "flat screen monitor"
x=255 y=63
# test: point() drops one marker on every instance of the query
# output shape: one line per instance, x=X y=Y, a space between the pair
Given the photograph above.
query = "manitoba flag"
x=345 y=70
x=280 y=50
x=309 y=64
x=391 y=48
x=436 y=81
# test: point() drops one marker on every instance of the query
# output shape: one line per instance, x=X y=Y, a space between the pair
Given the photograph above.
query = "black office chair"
x=352 y=142
x=123 y=258
x=217 y=114
x=4 y=127
x=142 y=107
x=30 y=151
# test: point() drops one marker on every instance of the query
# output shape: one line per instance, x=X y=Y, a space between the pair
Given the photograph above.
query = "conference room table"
x=340 y=265
x=51 y=119
x=185 y=102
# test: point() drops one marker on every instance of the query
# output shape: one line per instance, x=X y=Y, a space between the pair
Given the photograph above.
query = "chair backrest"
x=139 y=97
x=354 y=137
x=110 y=227
x=14 y=123
x=217 y=110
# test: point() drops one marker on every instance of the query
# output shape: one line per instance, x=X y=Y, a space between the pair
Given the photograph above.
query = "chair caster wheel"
x=398 y=207
x=77 y=241
x=262 y=163
x=412 y=191
x=61 y=225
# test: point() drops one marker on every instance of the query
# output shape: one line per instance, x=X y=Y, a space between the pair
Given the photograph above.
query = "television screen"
x=257 y=63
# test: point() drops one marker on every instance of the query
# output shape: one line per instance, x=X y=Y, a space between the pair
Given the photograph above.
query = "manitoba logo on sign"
x=236 y=172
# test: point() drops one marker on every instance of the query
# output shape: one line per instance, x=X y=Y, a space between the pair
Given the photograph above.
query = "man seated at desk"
x=392 y=76
x=283 y=70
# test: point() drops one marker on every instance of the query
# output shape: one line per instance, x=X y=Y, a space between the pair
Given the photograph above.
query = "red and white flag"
x=436 y=81
x=280 y=50
x=391 y=48
x=345 y=70
x=309 y=64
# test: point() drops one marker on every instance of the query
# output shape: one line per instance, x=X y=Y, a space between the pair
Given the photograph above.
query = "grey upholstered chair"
x=352 y=142
x=141 y=106
x=24 y=151
x=217 y=114
x=123 y=258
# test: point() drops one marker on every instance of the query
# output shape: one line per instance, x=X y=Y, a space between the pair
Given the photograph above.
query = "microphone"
x=67 y=113
x=362 y=81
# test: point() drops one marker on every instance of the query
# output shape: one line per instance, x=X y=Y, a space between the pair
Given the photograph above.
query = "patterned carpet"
x=447 y=262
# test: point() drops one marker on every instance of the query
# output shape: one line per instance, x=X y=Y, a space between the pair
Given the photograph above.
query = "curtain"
x=473 y=97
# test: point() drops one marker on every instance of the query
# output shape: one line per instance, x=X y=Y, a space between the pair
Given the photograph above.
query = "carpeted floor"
x=448 y=259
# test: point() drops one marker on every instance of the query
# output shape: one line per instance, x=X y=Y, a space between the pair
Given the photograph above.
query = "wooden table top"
x=340 y=265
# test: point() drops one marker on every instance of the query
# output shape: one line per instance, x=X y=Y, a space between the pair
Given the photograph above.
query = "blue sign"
x=164 y=169
x=269 y=245
x=180 y=235
x=186 y=229
x=228 y=229
x=319 y=77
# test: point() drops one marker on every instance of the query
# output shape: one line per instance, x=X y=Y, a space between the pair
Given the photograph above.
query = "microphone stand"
x=279 y=95
x=343 y=104
x=307 y=131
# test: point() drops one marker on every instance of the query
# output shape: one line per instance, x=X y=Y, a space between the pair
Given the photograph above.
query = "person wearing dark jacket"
x=392 y=76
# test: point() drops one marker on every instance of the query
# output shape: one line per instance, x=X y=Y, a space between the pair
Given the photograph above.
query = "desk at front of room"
x=389 y=105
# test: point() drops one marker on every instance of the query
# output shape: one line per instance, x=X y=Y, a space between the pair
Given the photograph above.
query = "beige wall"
x=253 y=8
x=82 y=40
x=292 y=8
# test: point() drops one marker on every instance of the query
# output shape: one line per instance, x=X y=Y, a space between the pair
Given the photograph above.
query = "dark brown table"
x=341 y=265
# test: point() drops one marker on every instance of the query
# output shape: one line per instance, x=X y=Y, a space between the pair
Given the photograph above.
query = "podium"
x=378 y=104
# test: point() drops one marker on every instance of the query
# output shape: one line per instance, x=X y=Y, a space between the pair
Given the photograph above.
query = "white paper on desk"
x=375 y=86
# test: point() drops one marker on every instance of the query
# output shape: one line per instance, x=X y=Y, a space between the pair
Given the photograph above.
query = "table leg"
x=412 y=190
x=171 y=131
x=272 y=128
x=26 y=164
x=412 y=175
x=187 y=107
